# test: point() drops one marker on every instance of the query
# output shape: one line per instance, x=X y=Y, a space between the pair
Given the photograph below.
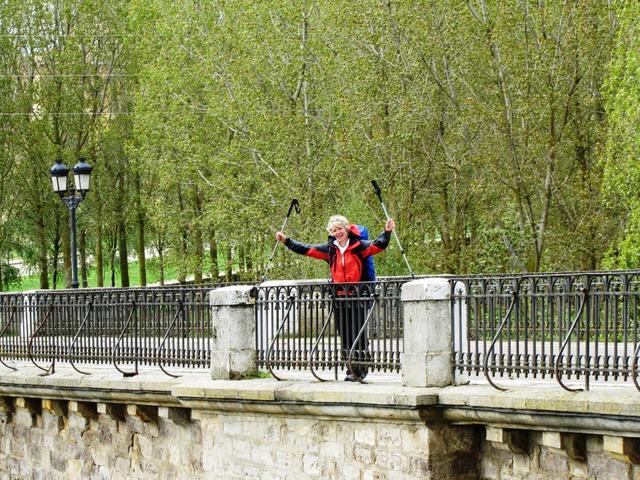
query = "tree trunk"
x=199 y=251
x=112 y=257
x=99 y=255
x=249 y=258
x=197 y=239
x=43 y=260
x=182 y=266
x=122 y=236
x=229 y=269
x=124 y=261
x=83 y=258
x=213 y=256
x=161 y=264
x=142 y=261
x=243 y=258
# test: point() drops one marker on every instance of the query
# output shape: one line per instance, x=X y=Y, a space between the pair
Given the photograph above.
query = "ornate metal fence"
x=169 y=326
x=567 y=326
x=301 y=326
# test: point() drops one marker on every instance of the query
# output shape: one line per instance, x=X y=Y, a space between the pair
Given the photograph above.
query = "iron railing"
x=567 y=326
x=123 y=327
x=301 y=326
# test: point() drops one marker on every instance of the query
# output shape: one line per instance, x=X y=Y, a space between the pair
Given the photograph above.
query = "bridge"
x=514 y=376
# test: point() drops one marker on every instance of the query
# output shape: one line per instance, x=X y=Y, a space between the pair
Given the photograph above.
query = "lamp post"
x=72 y=196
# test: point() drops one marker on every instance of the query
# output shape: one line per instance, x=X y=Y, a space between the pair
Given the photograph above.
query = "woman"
x=345 y=252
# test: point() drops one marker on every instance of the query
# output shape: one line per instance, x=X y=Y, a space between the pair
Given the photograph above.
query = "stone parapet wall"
x=79 y=441
x=106 y=427
x=102 y=426
x=553 y=456
x=305 y=448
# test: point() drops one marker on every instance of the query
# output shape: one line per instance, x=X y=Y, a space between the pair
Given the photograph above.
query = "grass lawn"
x=153 y=276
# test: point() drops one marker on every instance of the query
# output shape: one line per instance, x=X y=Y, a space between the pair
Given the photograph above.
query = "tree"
x=621 y=170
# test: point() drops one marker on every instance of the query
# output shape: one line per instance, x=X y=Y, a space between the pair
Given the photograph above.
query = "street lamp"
x=72 y=196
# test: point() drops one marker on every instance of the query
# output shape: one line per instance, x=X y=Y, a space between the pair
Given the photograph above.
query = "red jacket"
x=347 y=267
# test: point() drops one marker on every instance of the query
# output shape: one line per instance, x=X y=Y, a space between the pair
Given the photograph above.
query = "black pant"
x=350 y=315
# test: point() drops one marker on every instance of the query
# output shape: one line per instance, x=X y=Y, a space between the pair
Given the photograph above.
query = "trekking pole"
x=384 y=209
x=294 y=205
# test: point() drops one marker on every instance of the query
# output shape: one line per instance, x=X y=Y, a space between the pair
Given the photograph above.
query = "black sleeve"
x=383 y=240
x=316 y=251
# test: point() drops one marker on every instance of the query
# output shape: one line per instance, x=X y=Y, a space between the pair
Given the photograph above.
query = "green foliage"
x=621 y=168
x=484 y=123
x=10 y=275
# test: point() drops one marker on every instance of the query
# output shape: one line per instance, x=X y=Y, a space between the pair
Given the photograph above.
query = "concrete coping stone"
x=271 y=390
x=196 y=390
x=433 y=288
x=623 y=400
x=232 y=295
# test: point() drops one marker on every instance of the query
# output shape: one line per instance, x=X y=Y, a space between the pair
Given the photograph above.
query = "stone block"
x=232 y=427
x=426 y=289
x=415 y=439
x=332 y=449
x=350 y=472
x=578 y=469
x=24 y=418
x=365 y=434
x=374 y=474
x=262 y=455
x=516 y=440
x=57 y=407
x=552 y=439
x=233 y=295
x=32 y=405
x=52 y=422
x=146 y=447
x=602 y=466
x=388 y=436
x=232 y=365
x=493 y=434
x=426 y=369
x=101 y=454
x=363 y=454
x=86 y=410
x=429 y=325
x=289 y=460
x=623 y=446
x=594 y=444
x=613 y=444
x=311 y=465
x=389 y=461
x=521 y=463
x=553 y=461
x=179 y=416
x=146 y=413
x=121 y=467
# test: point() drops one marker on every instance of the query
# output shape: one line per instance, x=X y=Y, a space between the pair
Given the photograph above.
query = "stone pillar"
x=427 y=357
x=233 y=351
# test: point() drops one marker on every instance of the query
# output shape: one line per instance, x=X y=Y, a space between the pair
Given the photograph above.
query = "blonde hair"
x=337 y=221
